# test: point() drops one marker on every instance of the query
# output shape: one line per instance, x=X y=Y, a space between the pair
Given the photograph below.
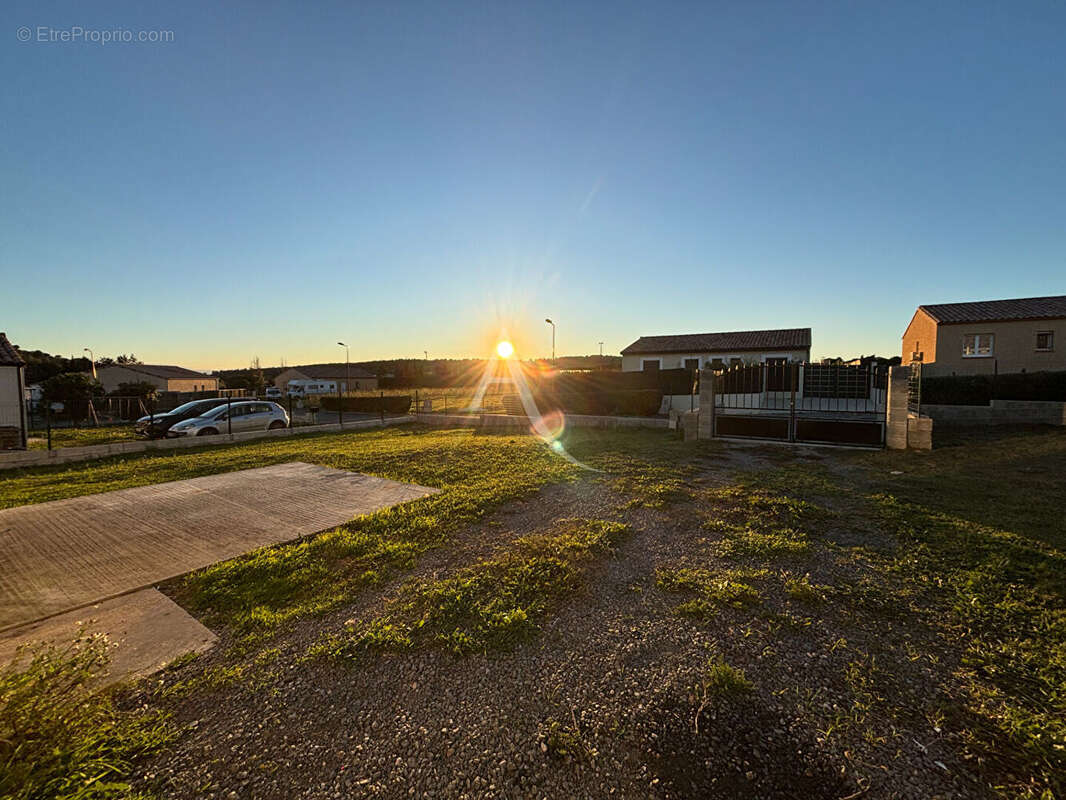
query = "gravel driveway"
x=604 y=702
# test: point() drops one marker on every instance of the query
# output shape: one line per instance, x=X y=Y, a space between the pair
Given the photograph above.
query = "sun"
x=505 y=349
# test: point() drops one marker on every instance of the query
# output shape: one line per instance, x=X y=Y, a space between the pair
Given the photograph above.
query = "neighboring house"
x=164 y=377
x=34 y=393
x=698 y=350
x=991 y=336
x=327 y=376
x=12 y=397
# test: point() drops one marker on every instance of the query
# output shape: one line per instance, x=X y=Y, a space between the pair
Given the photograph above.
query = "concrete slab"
x=146 y=629
x=61 y=555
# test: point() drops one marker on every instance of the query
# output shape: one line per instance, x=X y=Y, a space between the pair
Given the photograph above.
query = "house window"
x=692 y=364
x=650 y=364
x=1045 y=340
x=976 y=345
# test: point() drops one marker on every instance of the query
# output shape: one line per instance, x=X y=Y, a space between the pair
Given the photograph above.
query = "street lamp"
x=92 y=360
x=347 y=369
x=553 y=337
x=347 y=381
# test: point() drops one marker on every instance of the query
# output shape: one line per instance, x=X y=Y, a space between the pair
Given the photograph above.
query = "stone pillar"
x=896 y=419
x=689 y=424
x=919 y=433
x=705 y=426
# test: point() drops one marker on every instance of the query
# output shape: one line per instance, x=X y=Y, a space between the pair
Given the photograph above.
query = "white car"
x=237 y=417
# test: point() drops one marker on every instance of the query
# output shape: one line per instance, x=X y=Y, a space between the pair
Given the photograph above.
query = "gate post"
x=792 y=379
x=705 y=426
x=896 y=408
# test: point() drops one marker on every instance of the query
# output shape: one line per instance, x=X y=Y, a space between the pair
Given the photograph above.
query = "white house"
x=699 y=350
x=12 y=397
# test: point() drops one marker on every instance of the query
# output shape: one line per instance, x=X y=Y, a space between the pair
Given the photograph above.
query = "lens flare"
x=549 y=428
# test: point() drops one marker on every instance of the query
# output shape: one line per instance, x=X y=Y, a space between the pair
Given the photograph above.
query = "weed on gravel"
x=722 y=680
x=63 y=737
x=494 y=604
x=710 y=590
x=758 y=524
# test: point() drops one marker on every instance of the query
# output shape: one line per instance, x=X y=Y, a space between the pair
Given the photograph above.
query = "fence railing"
x=914 y=389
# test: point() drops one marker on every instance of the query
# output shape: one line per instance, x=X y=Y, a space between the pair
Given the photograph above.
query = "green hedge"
x=978 y=390
x=394 y=404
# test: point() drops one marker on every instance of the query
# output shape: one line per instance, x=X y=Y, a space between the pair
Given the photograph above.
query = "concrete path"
x=146 y=630
x=62 y=555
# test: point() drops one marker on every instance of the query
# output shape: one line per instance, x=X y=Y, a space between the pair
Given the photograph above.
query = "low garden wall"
x=13 y=459
x=515 y=422
x=999 y=412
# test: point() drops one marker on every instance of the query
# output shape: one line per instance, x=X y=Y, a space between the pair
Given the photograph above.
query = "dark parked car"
x=239 y=417
x=156 y=426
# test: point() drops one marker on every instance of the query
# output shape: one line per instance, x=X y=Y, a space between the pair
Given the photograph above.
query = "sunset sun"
x=505 y=349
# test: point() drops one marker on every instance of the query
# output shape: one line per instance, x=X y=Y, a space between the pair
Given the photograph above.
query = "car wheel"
x=207 y=432
x=275 y=425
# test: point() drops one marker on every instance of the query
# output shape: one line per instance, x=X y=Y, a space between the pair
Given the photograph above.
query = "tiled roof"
x=783 y=339
x=326 y=371
x=999 y=310
x=9 y=356
x=165 y=371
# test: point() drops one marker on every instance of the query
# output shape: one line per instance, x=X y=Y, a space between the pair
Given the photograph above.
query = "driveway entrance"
x=65 y=554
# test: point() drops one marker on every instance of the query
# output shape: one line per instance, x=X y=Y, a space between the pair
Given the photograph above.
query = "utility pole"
x=553 y=337
x=601 y=349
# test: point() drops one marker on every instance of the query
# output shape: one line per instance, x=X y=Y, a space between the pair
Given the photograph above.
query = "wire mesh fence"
x=117 y=419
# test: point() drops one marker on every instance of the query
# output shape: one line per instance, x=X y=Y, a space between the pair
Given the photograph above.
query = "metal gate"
x=818 y=403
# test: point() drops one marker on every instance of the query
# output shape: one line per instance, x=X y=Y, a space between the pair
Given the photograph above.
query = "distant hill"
x=421 y=372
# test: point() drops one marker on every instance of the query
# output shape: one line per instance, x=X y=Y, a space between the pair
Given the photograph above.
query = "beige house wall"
x=634 y=363
x=920 y=337
x=206 y=384
x=111 y=376
x=10 y=398
x=1013 y=349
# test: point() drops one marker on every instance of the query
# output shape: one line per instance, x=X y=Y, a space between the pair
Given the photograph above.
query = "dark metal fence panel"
x=834 y=404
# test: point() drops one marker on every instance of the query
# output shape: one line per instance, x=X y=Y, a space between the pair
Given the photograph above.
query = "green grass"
x=59 y=739
x=974 y=542
x=256 y=593
x=754 y=523
x=1010 y=481
x=494 y=604
x=476 y=474
x=81 y=437
x=1008 y=593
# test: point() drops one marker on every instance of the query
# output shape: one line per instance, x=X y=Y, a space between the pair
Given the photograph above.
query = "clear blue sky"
x=413 y=176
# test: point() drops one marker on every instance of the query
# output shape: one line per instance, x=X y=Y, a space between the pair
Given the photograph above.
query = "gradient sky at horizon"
x=421 y=176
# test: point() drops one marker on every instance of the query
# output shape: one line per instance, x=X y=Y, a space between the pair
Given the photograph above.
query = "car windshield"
x=183 y=407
